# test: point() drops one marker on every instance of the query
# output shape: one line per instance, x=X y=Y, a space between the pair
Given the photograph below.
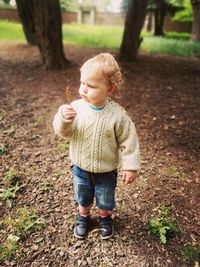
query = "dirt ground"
x=162 y=95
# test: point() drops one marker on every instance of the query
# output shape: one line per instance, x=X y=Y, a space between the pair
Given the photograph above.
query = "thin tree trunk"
x=196 y=20
x=149 y=21
x=133 y=25
x=25 y=11
x=159 y=18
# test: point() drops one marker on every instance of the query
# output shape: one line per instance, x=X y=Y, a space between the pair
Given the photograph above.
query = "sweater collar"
x=106 y=108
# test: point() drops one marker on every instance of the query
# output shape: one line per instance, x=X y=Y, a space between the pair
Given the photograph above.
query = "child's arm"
x=63 y=120
x=129 y=146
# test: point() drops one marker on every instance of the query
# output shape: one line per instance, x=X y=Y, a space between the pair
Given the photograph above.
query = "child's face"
x=94 y=87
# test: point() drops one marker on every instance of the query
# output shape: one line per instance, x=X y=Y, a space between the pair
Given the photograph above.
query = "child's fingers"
x=67 y=108
x=68 y=112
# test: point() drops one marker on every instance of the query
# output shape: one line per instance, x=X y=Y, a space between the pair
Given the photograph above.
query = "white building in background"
x=103 y=6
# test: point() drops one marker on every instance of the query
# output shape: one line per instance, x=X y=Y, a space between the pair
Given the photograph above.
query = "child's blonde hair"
x=109 y=67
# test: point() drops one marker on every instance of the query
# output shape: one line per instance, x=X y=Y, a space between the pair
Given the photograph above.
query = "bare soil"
x=162 y=95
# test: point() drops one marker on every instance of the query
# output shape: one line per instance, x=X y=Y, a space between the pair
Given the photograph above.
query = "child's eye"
x=91 y=86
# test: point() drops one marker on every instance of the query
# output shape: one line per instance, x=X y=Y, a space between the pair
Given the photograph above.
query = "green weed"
x=46 y=185
x=9 y=193
x=70 y=221
x=177 y=173
x=11 y=177
x=3 y=149
x=162 y=225
x=23 y=222
x=9 y=247
x=62 y=147
x=191 y=255
x=10 y=130
x=41 y=120
x=57 y=174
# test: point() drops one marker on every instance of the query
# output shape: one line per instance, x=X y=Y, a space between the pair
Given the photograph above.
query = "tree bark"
x=47 y=21
x=133 y=25
x=159 y=15
x=196 y=20
x=25 y=11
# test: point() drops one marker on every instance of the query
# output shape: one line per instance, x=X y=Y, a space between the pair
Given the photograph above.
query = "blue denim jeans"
x=88 y=185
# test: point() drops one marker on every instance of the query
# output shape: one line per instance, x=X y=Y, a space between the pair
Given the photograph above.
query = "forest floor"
x=162 y=95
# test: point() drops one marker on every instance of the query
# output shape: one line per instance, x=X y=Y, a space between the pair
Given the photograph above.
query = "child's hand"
x=68 y=112
x=129 y=176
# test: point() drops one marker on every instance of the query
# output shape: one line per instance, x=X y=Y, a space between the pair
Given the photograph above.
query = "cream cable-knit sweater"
x=97 y=137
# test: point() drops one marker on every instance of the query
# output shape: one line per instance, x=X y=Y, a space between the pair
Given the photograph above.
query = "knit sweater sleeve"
x=127 y=139
x=61 y=126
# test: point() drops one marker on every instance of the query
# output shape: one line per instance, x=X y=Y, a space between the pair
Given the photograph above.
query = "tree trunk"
x=25 y=11
x=149 y=22
x=159 y=15
x=46 y=17
x=196 y=20
x=133 y=25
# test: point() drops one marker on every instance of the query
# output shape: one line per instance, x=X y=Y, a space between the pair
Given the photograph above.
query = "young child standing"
x=98 y=129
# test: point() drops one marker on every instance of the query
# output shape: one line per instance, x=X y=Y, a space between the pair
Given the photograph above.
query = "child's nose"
x=85 y=89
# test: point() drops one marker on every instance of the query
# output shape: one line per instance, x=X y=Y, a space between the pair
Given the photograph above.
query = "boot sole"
x=109 y=236
x=78 y=236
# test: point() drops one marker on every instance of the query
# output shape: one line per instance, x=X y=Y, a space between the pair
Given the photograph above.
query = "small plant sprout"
x=57 y=174
x=41 y=120
x=22 y=222
x=62 y=147
x=162 y=225
x=9 y=247
x=11 y=177
x=177 y=173
x=27 y=220
x=9 y=193
x=3 y=149
x=46 y=185
x=191 y=255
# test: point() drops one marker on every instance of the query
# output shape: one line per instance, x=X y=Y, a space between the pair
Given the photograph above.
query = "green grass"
x=96 y=36
x=110 y=37
x=11 y=31
x=171 y=46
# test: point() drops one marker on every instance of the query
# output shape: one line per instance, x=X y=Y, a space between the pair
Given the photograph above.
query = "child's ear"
x=111 y=89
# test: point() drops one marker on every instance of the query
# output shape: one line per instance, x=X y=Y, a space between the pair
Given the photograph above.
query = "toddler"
x=98 y=129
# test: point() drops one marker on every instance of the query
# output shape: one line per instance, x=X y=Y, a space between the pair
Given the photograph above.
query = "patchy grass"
x=191 y=255
x=9 y=248
x=14 y=228
x=100 y=36
x=175 y=172
x=22 y=222
x=11 y=176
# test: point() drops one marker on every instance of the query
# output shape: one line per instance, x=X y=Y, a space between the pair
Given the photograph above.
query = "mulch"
x=161 y=94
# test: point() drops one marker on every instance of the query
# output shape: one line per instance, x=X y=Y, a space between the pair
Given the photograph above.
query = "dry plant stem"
x=69 y=94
